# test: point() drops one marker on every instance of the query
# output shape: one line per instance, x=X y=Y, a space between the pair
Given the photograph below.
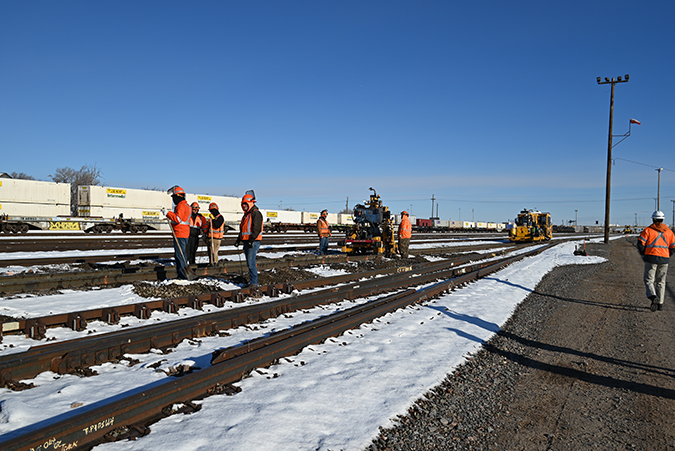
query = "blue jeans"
x=323 y=245
x=250 y=251
x=179 y=252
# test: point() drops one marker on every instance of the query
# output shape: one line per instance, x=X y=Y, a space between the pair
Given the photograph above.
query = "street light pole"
x=658 y=191
x=576 y=219
x=613 y=82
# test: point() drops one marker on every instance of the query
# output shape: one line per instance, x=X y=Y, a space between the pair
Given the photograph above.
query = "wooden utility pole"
x=613 y=82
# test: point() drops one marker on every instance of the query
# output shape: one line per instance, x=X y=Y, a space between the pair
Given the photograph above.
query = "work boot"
x=654 y=305
x=660 y=307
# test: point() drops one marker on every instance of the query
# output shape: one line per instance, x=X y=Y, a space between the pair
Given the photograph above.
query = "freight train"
x=436 y=225
x=36 y=205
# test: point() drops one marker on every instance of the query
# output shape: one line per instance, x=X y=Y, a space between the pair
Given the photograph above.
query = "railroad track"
x=160 y=240
x=159 y=254
x=131 y=414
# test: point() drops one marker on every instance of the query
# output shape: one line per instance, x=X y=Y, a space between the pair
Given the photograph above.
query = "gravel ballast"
x=581 y=364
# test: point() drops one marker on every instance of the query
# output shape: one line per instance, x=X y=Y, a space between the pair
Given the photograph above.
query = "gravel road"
x=583 y=364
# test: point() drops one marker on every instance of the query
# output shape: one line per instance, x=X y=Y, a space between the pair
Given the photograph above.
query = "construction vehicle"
x=628 y=230
x=373 y=229
x=531 y=226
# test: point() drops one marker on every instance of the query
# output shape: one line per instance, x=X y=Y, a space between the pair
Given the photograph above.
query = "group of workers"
x=656 y=243
x=187 y=224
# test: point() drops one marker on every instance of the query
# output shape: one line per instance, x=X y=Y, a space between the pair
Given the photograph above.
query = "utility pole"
x=658 y=191
x=576 y=219
x=432 y=207
x=673 y=201
x=613 y=82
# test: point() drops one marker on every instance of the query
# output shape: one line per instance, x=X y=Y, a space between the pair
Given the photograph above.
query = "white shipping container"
x=469 y=225
x=481 y=225
x=332 y=218
x=225 y=203
x=138 y=214
x=285 y=216
x=441 y=223
x=33 y=209
x=345 y=219
x=309 y=217
x=455 y=224
x=491 y=226
x=34 y=192
x=105 y=196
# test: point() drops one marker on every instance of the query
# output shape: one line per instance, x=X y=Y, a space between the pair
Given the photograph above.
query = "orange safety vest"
x=245 y=227
x=405 y=228
x=324 y=228
x=657 y=243
x=180 y=219
x=197 y=222
x=218 y=233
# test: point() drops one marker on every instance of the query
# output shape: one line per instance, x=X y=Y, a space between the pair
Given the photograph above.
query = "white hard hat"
x=658 y=214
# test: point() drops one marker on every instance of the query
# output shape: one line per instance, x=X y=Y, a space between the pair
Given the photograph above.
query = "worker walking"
x=197 y=225
x=656 y=244
x=179 y=220
x=215 y=231
x=404 y=234
x=323 y=230
x=250 y=233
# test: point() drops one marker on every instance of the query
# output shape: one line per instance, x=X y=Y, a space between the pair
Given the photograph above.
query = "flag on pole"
x=635 y=121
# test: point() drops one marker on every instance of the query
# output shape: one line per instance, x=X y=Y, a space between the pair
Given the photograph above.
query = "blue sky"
x=491 y=107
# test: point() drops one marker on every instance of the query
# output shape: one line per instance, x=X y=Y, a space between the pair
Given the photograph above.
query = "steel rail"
x=78 y=354
x=169 y=253
x=145 y=405
x=20 y=283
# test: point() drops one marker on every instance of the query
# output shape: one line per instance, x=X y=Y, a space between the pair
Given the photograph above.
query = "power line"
x=643 y=164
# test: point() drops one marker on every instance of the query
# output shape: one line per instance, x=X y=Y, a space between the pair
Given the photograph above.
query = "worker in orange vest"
x=656 y=244
x=197 y=225
x=404 y=234
x=179 y=220
x=215 y=232
x=250 y=233
x=323 y=230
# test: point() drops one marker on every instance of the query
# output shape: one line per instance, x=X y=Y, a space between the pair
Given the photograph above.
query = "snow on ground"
x=332 y=396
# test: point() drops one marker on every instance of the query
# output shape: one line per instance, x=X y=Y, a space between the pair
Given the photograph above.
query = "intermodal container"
x=34 y=192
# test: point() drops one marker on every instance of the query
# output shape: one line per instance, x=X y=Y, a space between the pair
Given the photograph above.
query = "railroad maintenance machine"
x=531 y=226
x=373 y=229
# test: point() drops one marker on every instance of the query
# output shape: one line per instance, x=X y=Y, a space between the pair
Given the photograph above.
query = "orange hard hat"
x=213 y=206
x=194 y=204
x=247 y=198
x=178 y=191
x=404 y=213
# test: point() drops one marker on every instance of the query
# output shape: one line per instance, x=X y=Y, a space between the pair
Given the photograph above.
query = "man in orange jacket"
x=404 y=234
x=656 y=244
x=323 y=230
x=180 y=223
x=250 y=233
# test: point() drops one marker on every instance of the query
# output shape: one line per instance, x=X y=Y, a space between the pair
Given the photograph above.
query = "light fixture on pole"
x=613 y=82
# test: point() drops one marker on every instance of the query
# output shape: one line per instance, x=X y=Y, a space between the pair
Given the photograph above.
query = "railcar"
x=531 y=226
x=373 y=229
